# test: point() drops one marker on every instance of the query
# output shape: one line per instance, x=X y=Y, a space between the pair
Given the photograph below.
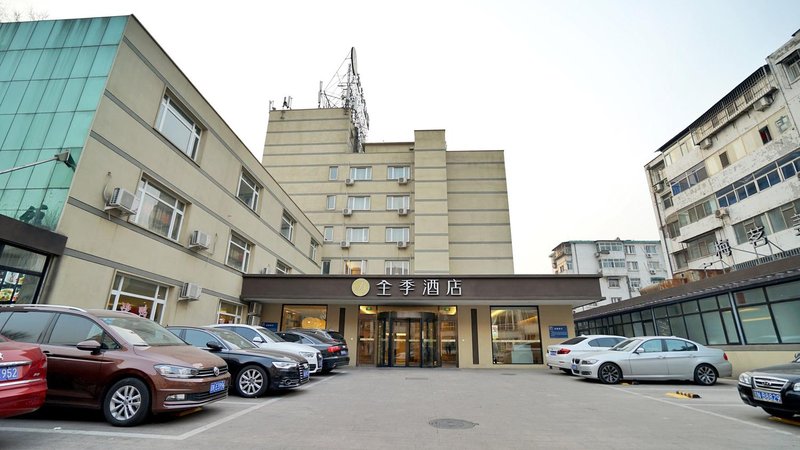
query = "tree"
x=15 y=15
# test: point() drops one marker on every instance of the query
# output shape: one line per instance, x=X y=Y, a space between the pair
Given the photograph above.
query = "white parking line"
x=721 y=416
x=165 y=437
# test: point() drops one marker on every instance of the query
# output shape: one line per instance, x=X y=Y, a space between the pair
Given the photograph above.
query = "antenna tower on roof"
x=344 y=91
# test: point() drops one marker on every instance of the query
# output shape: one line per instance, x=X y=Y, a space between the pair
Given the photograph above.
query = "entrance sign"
x=558 y=331
x=407 y=287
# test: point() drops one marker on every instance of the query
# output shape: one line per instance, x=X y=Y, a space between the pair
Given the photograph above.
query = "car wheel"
x=705 y=375
x=252 y=381
x=778 y=413
x=127 y=403
x=566 y=371
x=609 y=373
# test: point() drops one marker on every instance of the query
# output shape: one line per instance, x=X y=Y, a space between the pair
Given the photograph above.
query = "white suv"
x=265 y=338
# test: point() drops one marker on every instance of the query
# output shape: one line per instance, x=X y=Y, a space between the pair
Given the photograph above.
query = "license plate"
x=552 y=353
x=217 y=386
x=772 y=397
x=305 y=373
x=9 y=373
x=344 y=352
x=574 y=367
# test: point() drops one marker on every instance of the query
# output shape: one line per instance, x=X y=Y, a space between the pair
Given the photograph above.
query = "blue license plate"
x=574 y=367
x=344 y=352
x=217 y=386
x=305 y=373
x=772 y=397
x=552 y=353
x=9 y=373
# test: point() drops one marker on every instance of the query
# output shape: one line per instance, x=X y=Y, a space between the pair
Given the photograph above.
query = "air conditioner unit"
x=762 y=103
x=402 y=244
x=347 y=212
x=402 y=211
x=255 y=309
x=720 y=213
x=402 y=180
x=659 y=187
x=705 y=143
x=191 y=291
x=122 y=201
x=349 y=181
x=199 y=239
x=652 y=271
x=344 y=244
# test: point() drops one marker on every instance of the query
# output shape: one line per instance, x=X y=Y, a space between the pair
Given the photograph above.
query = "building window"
x=238 y=253
x=333 y=173
x=673 y=229
x=397 y=172
x=178 y=127
x=397 y=267
x=138 y=296
x=395 y=202
x=613 y=283
x=21 y=274
x=158 y=211
x=650 y=249
x=358 y=203
x=773 y=173
x=516 y=338
x=304 y=316
x=287 y=226
x=229 y=312
x=312 y=250
x=792 y=64
x=630 y=249
x=696 y=212
x=743 y=228
x=282 y=267
x=633 y=266
x=782 y=123
x=606 y=247
x=397 y=234
x=667 y=200
x=612 y=263
x=616 y=299
x=360 y=173
x=681 y=259
x=653 y=265
x=765 y=135
x=723 y=159
x=326 y=267
x=330 y=202
x=355 y=267
x=635 y=283
x=248 y=190
x=360 y=234
x=327 y=234
x=688 y=179
x=701 y=247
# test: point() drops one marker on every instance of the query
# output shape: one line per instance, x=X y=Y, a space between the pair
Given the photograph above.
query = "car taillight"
x=725 y=355
x=334 y=349
x=563 y=351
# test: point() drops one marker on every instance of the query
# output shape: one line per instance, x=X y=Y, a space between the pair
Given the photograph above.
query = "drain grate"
x=452 y=424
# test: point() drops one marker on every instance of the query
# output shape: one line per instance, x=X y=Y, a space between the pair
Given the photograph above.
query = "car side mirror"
x=214 y=346
x=639 y=350
x=258 y=340
x=90 y=346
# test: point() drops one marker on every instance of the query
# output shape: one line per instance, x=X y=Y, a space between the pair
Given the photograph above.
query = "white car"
x=265 y=338
x=655 y=358
x=560 y=356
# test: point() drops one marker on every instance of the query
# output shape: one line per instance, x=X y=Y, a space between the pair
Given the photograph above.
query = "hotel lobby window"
x=229 y=312
x=516 y=338
x=21 y=274
x=304 y=316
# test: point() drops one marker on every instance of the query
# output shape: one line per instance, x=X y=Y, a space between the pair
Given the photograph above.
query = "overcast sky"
x=579 y=94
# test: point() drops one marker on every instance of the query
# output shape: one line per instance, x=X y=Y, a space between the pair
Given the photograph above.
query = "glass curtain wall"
x=516 y=338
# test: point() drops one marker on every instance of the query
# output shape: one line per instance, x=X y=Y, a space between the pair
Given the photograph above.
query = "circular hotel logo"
x=360 y=287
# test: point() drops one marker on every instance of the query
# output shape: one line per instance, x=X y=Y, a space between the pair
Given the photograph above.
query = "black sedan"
x=334 y=353
x=775 y=389
x=253 y=370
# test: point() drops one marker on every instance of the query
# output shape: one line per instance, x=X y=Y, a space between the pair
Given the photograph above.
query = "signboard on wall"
x=272 y=326
x=558 y=331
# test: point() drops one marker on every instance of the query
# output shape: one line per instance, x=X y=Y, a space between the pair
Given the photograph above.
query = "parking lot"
x=398 y=408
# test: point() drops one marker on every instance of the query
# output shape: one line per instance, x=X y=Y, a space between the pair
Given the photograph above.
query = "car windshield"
x=626 y=346
x=142 y=332
x=232 y=340
x=270 y=334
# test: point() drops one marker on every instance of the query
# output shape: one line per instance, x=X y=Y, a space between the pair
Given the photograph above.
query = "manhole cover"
x=452 y=424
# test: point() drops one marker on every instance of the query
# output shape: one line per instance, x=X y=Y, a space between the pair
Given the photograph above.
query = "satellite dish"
x=353 y=60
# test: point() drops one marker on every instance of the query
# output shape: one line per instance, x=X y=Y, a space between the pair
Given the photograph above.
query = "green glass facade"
x=52 y=76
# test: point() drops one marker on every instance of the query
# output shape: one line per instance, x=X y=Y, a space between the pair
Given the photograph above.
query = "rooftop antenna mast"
x=344 y=91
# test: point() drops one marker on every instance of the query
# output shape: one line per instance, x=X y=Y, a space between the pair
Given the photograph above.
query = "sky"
x=578 y=94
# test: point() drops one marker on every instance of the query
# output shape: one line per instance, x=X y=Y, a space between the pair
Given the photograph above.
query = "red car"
x=23 y=378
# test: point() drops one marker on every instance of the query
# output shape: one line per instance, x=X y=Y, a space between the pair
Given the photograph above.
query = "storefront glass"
x=21 y=273
x=304 y=316
x=516 y=338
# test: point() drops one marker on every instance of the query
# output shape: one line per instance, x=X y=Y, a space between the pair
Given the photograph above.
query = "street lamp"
x=62 y=157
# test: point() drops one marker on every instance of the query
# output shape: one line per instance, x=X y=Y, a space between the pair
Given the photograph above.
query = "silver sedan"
x=655 y=358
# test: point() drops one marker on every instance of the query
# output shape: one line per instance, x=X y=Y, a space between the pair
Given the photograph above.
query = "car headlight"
x=285 y=365
x=306 y=355
x=796 y=387
x=169 y=371
x=745 y=379
x=589 y=361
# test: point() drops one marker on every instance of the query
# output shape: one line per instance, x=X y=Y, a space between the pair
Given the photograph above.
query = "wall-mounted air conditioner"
x=763 y=103
x=720 y=213
x=344 y=244
x=402 y=211
x=659 y=187
x=198 y=239
x=191 y=291
x=705 y=143
x=347 y=212
x=122 y=201
x=402 y=244
x=349 y=181
x=402 y=180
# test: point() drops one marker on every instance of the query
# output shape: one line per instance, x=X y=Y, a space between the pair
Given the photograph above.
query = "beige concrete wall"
x=745 y=360
x=555 y=315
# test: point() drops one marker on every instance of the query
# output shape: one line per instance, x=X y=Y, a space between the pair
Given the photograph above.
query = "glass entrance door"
x=407 y=339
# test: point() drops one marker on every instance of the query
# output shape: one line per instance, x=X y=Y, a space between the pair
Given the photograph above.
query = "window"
x=702 y=246
x=397 y=267
x=765 y=135
x=178 y=127
x=358 y=203
x=696 y=212
x=27 y=326
x=357 y=234
x=330 y=202
x=326 y=266
x=138 y=296
x=70 y=330
x=773 y=173
x=633 y=266
x=229 y=312
x=304 y=316
x=327 y=234
x=651 y=249
x=782 y=123
x=688 y=179
x=743 y=228
x=158 y=211
x=312 y=250
x=653 y=346
x=282 y=267
x=723 y=159
x=673 y=229
x=287 y=226
x=613 y=282
x=515 y=335
x=355 y=267
x=248 y=191
x=609 y=247
x=395 y=202
x=792 y=65
x=333 y=173
x=396 y=172
x=666 y=199
x=615 y=263
x=653 y=265
x=630 y=249
x=635 y=283
x=400 y=234
x=361 y=173
x=238 y=253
